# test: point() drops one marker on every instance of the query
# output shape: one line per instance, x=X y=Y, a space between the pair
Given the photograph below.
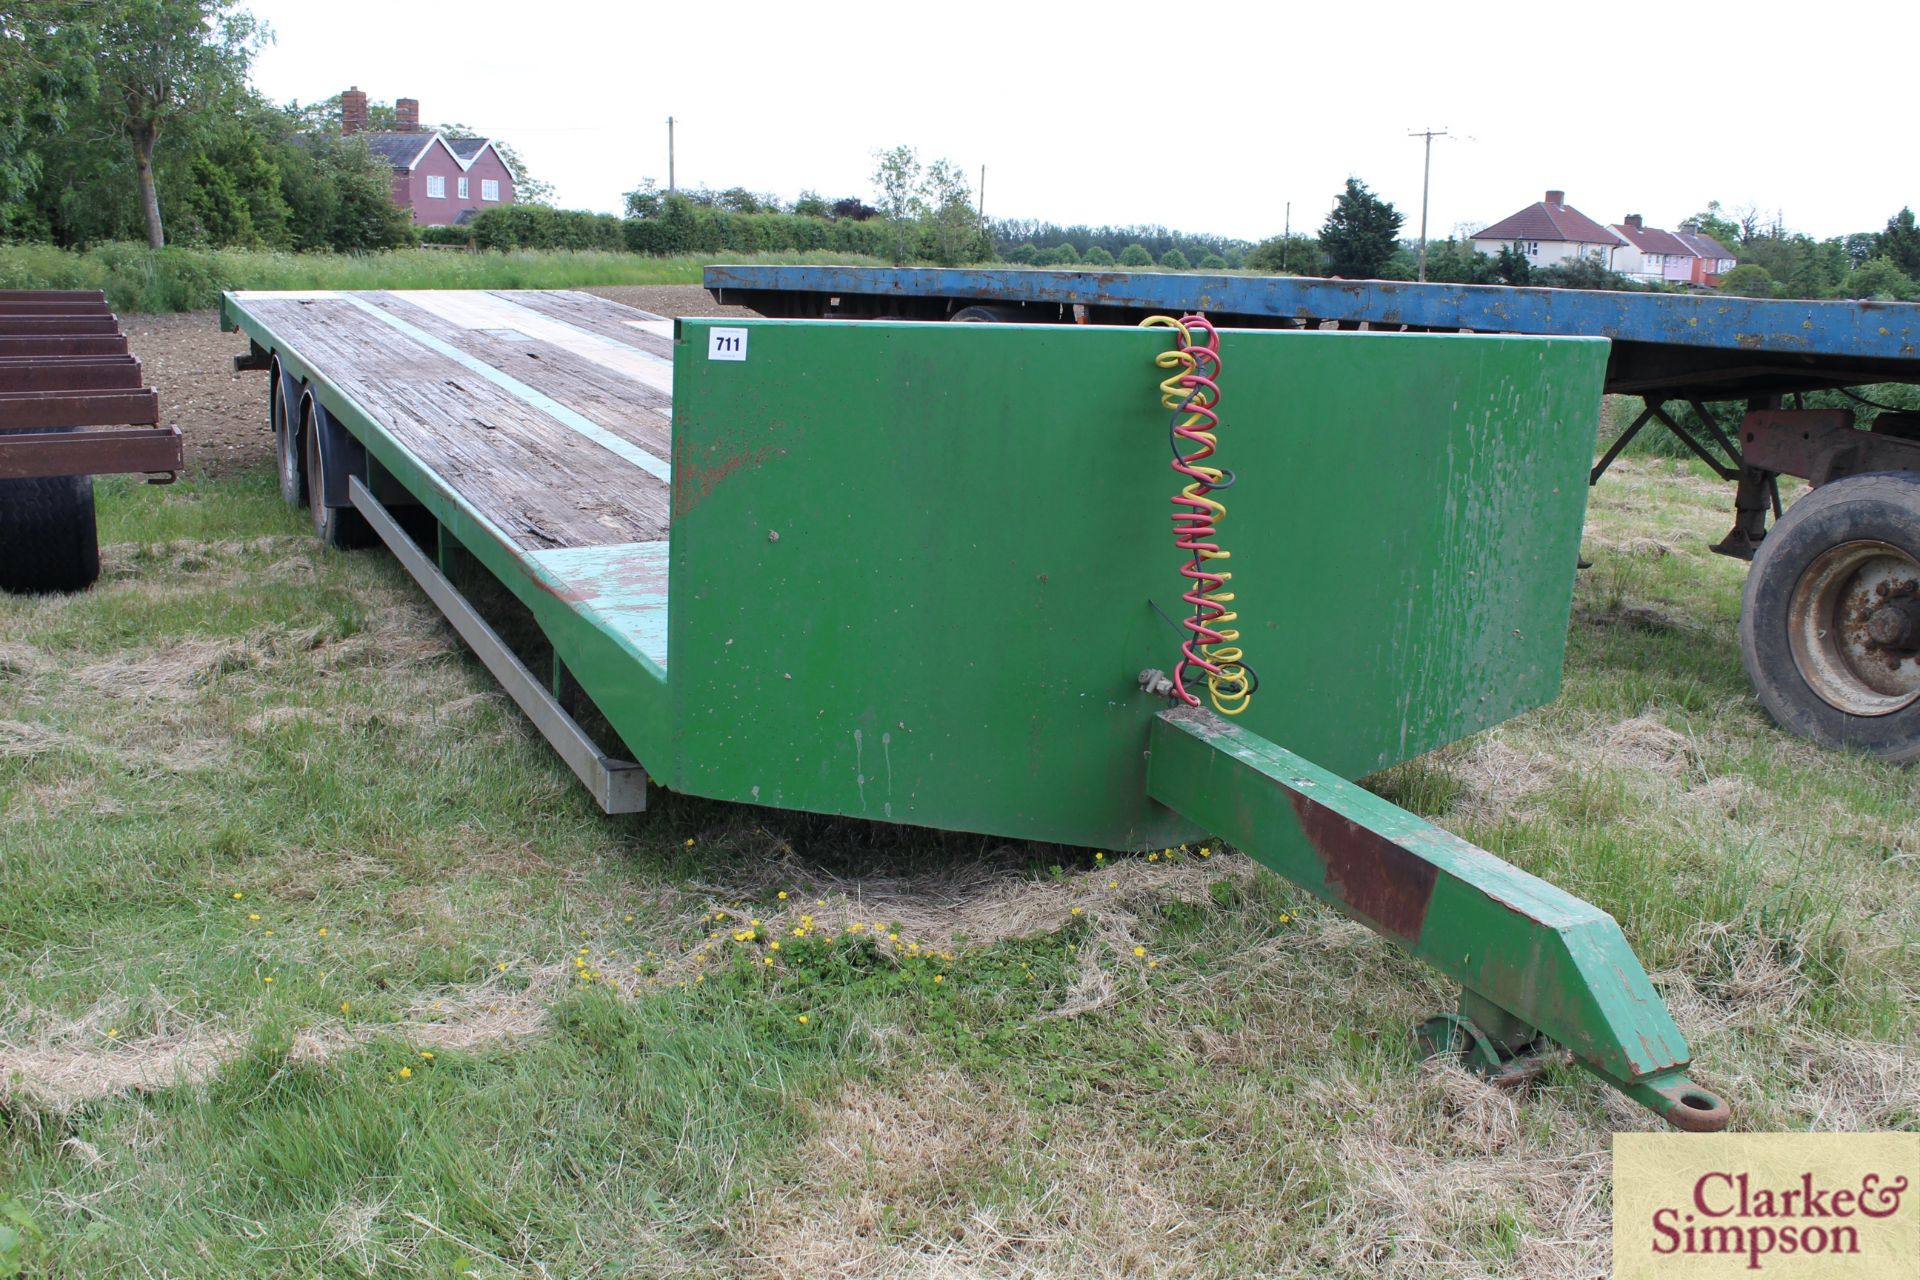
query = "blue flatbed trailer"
x=1830 y=625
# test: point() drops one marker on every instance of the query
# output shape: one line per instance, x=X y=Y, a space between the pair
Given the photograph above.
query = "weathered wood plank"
x=541 y=481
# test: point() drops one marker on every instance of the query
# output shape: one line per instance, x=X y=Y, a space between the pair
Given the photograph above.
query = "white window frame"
x=462 y=186
x=436 y=187
x=490 y=189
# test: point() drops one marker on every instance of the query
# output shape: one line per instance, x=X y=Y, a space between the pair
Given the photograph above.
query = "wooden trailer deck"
x=547 y=415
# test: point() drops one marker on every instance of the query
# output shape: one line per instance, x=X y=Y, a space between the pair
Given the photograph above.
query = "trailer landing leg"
x=1535 y=964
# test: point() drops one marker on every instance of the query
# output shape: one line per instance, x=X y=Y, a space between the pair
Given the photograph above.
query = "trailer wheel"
x=1830 y=624
x=286 y=442
x=48 y=539
x=340 y=527
x=984 y=315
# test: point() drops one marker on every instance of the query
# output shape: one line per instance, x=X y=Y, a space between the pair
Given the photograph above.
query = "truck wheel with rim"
x=1830 y=623
x=286 y=441
x=341 y=527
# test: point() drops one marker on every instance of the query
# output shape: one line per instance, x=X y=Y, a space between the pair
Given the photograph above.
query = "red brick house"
x=442 y=180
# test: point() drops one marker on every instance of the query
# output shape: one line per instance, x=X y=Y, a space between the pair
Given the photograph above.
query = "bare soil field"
x=223 y=415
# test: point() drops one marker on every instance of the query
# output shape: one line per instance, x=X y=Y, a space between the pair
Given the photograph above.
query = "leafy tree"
x=1361 y=233
x=854 y=209
x=1511 y=266
x=159 y=60
x=897 y=179
x=1213 y=262
x=1900 y=242
x=1880 y=279
x=1023 y=254
x=1453 y=261
x=1175 y=259
x=811 y=204
x=1097 y=257
x=45 y=65
x=1066 y=254
x=1135 y=255
x=1584 y=272
x=1287 y=256
x=1749 y=280
x=950 y=226
x=646 y=200
x=1712 y=221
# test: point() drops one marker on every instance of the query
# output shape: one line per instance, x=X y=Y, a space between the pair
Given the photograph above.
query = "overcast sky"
x=1204 y=117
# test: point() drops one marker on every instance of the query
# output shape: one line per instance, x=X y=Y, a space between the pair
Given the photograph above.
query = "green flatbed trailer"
x=924 y=575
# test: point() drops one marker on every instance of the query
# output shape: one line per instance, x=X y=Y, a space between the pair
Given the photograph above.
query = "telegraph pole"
x=1426 y=180
x=669 y=155
x=1286 y=236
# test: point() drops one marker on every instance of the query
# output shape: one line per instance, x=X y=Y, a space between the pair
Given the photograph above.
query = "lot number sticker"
x=726 y=344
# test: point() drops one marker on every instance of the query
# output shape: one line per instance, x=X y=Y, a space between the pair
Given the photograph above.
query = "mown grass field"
x=314 y=961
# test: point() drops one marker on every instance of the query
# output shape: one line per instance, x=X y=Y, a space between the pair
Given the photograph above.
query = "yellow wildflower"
x=1206 y=851
x=1285 y=918
x=1153 y=857
x=1075 y=911
x=1113 y=884
x=268 y=978
x=1139 y=951
x=774 y=945
x=803 y=1018
x=766 y=959
x=782 y=895
x=237 y=895
x=323 y=931
x=406 y=1073
x=1099 y=857
x=893 y=937
x=253 y=915
x=939 y=977
x=1153 y=964
x=628 y=918
x=345 y=1007
x=427 y=1054
x=113 y=1033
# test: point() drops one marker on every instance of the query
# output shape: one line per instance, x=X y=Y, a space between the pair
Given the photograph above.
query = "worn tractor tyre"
x=1830 y=623
x=340 y=527
x=48 y=540
x=288 y=460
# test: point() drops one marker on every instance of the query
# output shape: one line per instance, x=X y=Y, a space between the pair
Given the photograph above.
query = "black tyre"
x=48 y=540
x=341 y=527
x=288 y=458
x=1830 y=625
x=986 y=315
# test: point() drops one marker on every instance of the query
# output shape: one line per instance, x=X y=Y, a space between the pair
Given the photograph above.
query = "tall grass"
x=138 y=279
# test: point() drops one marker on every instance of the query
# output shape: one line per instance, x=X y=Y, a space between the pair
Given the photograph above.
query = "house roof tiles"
x=1543 y=221
x=1653 y=240
x=1703 y=246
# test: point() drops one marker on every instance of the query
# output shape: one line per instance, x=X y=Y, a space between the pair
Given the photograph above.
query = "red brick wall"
x=439 y=162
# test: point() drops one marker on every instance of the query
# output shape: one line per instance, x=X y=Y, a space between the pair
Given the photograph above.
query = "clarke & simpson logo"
x=1790 y=1205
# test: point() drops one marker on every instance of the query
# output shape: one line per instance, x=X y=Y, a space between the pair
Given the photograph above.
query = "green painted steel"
x=914 y=568
x=915 y=572
x=1530 y=950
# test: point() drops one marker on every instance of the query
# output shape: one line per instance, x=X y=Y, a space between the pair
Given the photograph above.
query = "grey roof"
x=397 y=149
x=466 y=148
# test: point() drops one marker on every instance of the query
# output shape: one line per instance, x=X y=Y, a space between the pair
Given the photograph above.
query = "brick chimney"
x=1633 y=220
x=406 y=115
x=1556 y=197
x=353 y=111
